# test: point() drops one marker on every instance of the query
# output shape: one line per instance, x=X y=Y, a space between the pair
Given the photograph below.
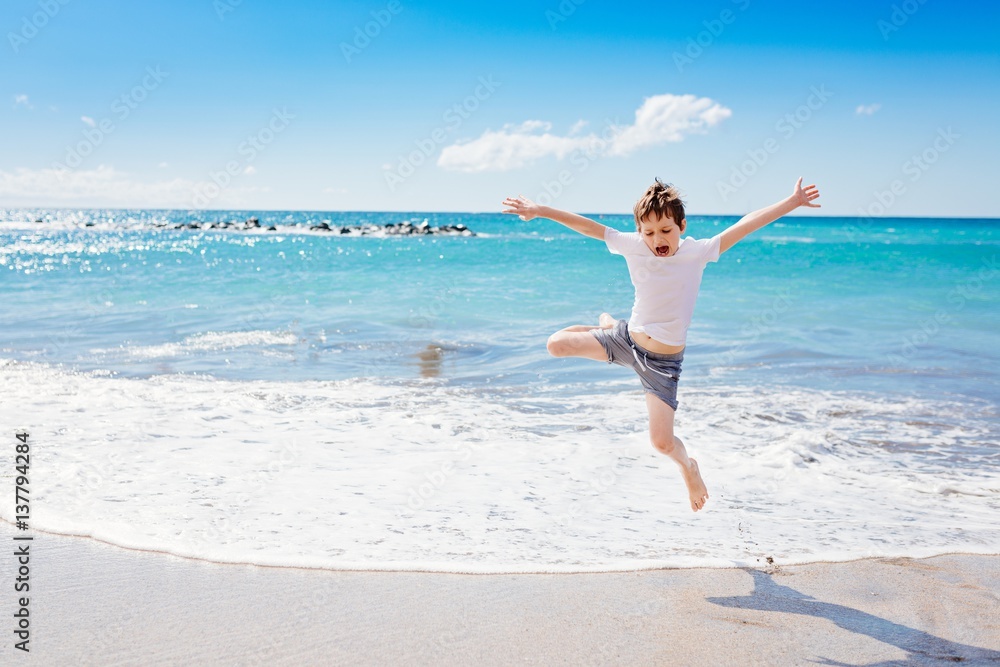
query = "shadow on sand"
x=923 y=648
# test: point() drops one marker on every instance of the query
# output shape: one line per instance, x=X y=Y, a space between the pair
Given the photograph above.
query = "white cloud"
x=336 y=191
x=668 y=118
x=577 y=126
x=21 y=100
x=660 y=119
x=511 y=147
x=163 y=165
x=867 y=110
x=250 y=170
x=532 y=125
x=106 y=186
x=89 y=121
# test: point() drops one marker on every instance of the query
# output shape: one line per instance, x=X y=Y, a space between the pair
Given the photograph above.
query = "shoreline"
x=7 y=527
x=95 y=602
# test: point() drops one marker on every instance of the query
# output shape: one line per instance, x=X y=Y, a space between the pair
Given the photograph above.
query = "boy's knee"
x=663 y=445
x=556 y=345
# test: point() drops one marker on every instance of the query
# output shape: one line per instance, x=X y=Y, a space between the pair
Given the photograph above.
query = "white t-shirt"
x=665 y=287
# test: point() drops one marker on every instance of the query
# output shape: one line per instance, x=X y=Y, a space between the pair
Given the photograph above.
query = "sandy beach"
x=94 y=603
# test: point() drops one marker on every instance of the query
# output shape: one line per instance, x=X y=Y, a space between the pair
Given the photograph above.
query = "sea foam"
x=419 y=475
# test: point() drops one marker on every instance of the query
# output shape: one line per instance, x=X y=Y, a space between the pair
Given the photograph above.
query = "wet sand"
x=94 y=603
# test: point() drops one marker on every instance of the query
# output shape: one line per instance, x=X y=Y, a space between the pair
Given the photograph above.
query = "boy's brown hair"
x=661 y=199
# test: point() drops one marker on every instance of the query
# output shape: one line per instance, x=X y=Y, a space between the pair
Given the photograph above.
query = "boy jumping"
x=666 y=271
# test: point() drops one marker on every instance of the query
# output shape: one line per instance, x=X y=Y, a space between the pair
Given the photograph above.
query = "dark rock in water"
x=86 y=224
x=363 y=228
x=38 y=220
x=400 y=228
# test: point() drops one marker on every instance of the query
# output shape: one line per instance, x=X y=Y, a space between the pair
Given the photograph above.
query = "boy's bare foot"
x=695 y=485
x=606 y=321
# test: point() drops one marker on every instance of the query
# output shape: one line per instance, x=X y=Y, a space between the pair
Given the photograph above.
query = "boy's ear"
x=683 y=224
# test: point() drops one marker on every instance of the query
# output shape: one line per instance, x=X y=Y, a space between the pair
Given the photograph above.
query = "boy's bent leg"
x=577 y=341
x=661 y=433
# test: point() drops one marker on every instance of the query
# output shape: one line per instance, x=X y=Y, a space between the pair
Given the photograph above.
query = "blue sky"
x=889 y=107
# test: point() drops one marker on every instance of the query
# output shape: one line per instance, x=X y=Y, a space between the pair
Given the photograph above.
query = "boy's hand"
x=804 y=197
x=522 y=207
x=751 y=222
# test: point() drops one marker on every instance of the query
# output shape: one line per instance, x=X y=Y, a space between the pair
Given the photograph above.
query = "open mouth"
x=663 y=250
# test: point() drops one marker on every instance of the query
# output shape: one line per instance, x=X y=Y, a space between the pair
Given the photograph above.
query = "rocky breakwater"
x=405 y=228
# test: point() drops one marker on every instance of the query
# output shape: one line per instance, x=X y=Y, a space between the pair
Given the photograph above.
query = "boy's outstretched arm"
x=754 y=221
x=526 y=209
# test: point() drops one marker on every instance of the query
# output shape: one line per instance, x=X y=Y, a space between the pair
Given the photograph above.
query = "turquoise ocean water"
x=898 y=305
x=808 y=311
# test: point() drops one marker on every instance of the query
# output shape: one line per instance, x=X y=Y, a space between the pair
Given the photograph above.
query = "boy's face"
x=661 y=234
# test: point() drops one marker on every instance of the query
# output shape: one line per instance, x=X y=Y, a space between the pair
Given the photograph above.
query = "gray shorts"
x=658 y=372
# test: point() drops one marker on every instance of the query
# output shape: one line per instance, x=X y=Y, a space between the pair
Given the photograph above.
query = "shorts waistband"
x=676 y=356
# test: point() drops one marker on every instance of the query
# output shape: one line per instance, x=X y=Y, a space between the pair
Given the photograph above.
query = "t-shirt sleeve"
x=703 y=250
x=712 y=248
x=621 y=243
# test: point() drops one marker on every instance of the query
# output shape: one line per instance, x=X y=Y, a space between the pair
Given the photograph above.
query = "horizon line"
x=629 y=214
